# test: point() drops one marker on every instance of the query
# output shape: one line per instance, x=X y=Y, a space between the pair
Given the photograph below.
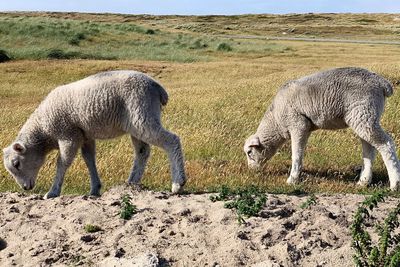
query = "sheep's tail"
x=387 y=88
x=163 y=94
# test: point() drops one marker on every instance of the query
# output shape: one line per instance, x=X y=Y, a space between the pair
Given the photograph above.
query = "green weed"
x=127 y=208
x=246 y=202
x=311 y=200
x=386 y=251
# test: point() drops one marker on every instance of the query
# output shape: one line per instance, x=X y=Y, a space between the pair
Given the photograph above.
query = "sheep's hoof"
x=50 y=195
x=395 y=186
x=95 y=194
x=136 y=187
x=292 y=180
x=363 y=183
x=176 y=188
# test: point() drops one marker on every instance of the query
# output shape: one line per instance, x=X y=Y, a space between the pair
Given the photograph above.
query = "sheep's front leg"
x=299 y=140
x=67 y=152
x=89 y=155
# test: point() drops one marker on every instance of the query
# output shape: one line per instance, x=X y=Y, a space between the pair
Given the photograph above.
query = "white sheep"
x=101 y=106
x=333 y=99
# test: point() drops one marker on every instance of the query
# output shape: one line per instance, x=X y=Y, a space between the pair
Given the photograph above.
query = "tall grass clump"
x=386 y=251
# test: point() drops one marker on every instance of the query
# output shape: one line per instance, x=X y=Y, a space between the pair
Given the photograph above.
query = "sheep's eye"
x=15 y=163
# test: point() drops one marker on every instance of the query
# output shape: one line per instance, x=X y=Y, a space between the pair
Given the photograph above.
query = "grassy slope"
x=217 y=100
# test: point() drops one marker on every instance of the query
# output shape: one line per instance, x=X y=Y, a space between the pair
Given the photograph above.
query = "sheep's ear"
x=19 y=147
x=254 y=142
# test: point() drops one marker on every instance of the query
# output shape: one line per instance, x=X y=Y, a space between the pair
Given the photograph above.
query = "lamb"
x=101 y=106
x=332 y=99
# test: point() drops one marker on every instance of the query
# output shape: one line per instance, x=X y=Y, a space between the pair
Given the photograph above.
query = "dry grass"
x=213 y=106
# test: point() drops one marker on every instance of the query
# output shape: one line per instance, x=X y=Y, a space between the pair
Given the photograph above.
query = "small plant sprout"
x=127 y=208
x=310 y=201
x=386 y=251
x=246 y=202
x=90 y=228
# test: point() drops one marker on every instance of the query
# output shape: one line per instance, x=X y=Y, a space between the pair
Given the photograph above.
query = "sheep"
x=332 y=99
x=102 y=106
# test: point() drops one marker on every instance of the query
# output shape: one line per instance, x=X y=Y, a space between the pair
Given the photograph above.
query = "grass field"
x=218 y=93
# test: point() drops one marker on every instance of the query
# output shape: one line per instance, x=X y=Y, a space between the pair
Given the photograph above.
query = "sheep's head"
x=23 y=164
x=258 y=153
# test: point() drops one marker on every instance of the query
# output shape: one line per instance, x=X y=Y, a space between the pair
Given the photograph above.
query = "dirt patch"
x=170 y=230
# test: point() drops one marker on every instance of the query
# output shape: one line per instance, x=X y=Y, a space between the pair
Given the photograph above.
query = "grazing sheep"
x=101 y=106
x=332 y=99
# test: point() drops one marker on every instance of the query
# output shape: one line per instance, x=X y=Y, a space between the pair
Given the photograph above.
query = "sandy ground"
x=171 y=230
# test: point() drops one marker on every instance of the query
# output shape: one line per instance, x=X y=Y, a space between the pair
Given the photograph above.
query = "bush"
x=150 y=31
x=77 y=38
x=60 y=54
x=387 y=250
x=4 y=56
x=198 y=45
x=224 y=47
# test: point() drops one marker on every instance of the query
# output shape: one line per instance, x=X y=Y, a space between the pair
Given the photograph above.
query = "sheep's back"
x=101 y=105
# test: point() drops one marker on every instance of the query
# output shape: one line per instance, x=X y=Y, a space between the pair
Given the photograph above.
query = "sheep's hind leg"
x=378 y=138
x=89 y=155
x=172 y=145
x=142 y=151
x=67 y=152
x=369 y=154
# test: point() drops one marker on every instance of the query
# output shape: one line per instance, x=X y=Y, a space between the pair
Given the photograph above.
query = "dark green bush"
x=77 y=38
x=4 y=56
x=150 y=31
x=60 y=54
x=198 y=44
x=224 y=47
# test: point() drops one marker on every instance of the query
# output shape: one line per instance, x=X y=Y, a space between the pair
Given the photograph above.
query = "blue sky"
x=203 y=7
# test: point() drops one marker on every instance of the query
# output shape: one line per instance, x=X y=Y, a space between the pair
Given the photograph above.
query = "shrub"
x=59 y=54
x=150 y=31
x=77 y=38
x=246 y=202
x=198 y=45
x=387 y=250
x=224 y=47
x=4 y=56
x=127 y=209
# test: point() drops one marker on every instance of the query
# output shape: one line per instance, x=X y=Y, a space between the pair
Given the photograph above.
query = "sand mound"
x=170 y=230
